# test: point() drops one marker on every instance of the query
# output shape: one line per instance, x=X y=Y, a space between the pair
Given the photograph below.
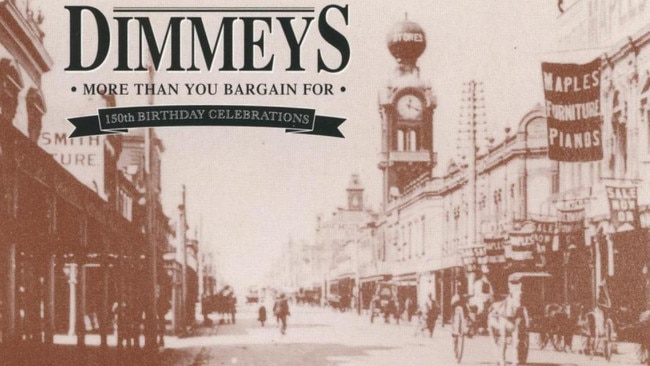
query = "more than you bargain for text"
x=200 y=89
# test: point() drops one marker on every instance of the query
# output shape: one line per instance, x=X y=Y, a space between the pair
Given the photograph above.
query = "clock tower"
x=355 y=194
x=406 y=106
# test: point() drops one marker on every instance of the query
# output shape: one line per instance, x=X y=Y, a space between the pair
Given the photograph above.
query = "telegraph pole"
x=151 y=325
x=182 y=250
x=470 y=123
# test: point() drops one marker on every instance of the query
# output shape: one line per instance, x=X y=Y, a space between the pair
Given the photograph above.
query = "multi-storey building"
x=618 y=33
x=67 y=254
x=432 y=218
x=508 y=207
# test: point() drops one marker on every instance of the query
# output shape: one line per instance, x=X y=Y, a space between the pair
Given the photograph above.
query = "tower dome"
x=406 y=42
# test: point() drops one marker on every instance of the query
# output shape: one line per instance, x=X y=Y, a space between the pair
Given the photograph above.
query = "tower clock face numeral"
x=409 y=106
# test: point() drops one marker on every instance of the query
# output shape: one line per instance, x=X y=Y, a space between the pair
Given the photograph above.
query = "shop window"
x=10 y=86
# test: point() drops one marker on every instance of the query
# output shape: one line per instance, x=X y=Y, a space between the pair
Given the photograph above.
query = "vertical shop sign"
x=623 y=207
x=574 y=118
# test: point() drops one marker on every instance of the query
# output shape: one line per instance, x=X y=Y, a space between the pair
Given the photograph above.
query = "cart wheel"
x=558 y=341
x=458 y=333
x=642 y=354
x=556 y=337
x=591 y=347
x=542 y=339
x=592 y=338
x=608 y=341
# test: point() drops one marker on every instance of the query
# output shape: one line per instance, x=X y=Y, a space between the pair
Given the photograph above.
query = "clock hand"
x=411 y=106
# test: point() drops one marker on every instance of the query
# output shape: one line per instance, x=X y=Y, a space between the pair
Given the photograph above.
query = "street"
x=320 y=336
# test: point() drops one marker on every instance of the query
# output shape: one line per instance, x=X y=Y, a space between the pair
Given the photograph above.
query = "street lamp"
x=567 y=257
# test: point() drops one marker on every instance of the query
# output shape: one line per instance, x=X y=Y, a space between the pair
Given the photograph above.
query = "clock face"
x=409 y=106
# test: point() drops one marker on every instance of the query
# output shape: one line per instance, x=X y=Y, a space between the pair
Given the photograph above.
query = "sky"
x=252 y=189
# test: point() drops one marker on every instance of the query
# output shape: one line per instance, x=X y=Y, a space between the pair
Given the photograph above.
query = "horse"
x=224 y=303
x=508 y=318
x=225 y=306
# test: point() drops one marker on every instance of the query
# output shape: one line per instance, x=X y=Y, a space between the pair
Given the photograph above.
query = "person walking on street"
x=432 y=310
x=281 y=311
x=261 y=314
x=408 y=306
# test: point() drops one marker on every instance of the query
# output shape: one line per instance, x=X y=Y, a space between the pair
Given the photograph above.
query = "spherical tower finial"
x=406 y=42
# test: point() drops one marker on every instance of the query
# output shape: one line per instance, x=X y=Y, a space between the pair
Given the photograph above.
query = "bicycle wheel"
x=458 y=333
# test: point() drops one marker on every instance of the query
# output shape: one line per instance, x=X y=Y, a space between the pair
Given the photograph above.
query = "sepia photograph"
x=326 y=183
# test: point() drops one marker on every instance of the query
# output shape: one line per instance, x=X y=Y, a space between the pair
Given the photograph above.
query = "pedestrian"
x=281 y=311
x=397 y=310
x=205 y=310
x=233 y=308
x=420 y=324
x=407 y=306
x=483 y=293
x=432 y=312
x=261 y=314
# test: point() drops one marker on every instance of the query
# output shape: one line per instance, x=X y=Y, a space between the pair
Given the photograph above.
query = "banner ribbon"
x=120 y=119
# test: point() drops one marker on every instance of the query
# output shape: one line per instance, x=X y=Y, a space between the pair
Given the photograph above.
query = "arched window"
x=35 y=111
x=618 y=160
x=645 y=107
x=412 y=141
x=10 y=86
x=400 y=140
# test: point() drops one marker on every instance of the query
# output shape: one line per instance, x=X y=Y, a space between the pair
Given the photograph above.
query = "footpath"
x=65 y=352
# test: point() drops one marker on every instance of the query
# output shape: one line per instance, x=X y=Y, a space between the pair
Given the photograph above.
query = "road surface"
x=322 y=337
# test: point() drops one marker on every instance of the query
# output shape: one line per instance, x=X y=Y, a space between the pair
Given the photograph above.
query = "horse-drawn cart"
x=556 y=327
x=508 y=320
x=383 y=302
x=638 y=332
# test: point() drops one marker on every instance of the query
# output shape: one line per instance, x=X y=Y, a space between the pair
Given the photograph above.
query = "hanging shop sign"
x=522 y=242
x=473 y=257
x=572 y=93
x=545 y=233
x=495 y=250
x=570 y=221
x=623 y=208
